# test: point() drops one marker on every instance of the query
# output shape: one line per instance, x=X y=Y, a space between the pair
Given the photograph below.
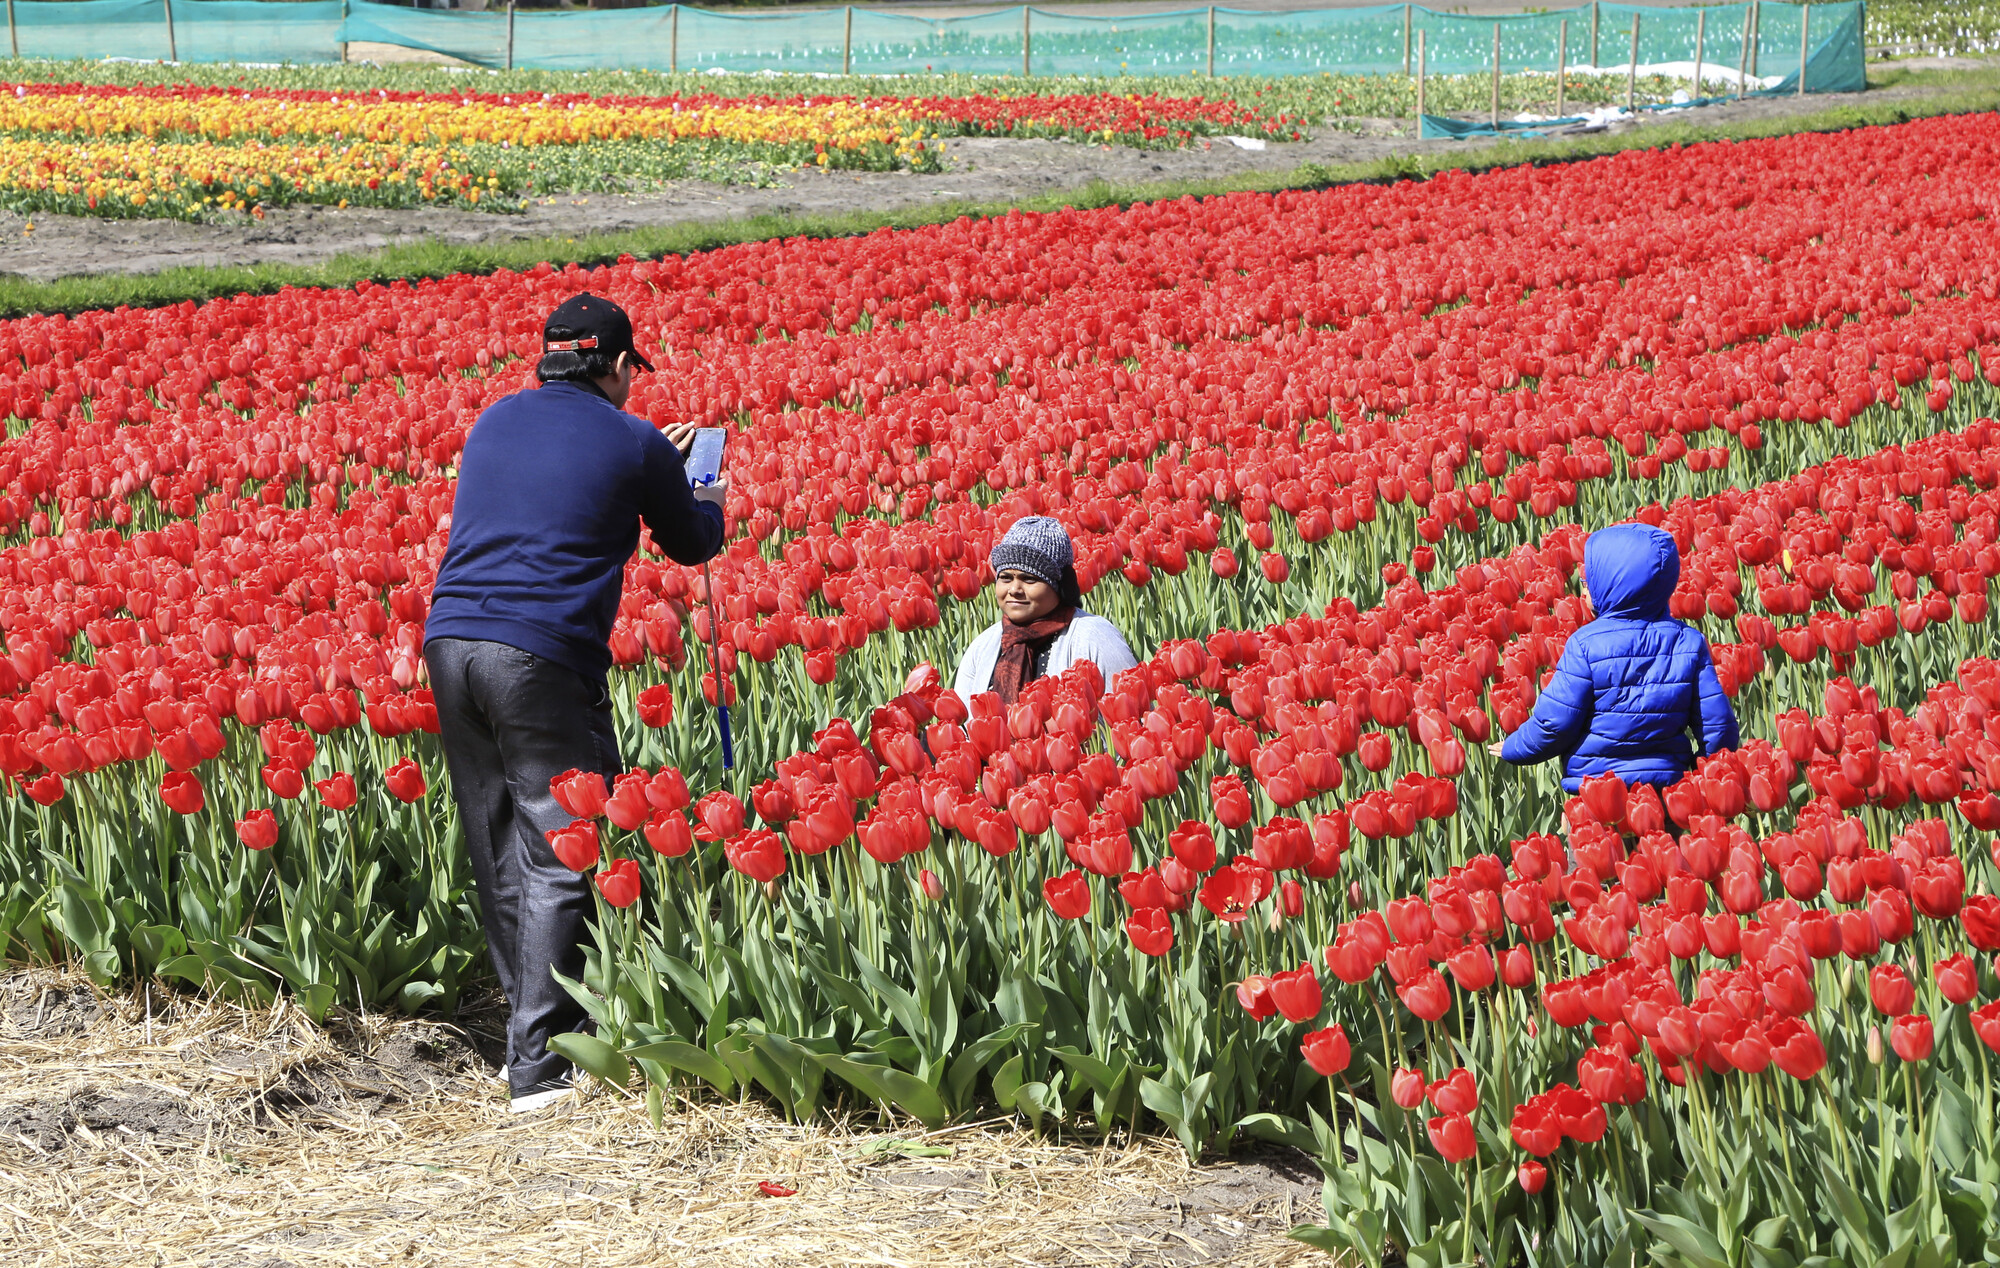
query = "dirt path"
x=205 y=1135
x=982 y=170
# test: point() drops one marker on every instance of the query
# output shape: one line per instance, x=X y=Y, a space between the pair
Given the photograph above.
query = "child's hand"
x=1495 y=747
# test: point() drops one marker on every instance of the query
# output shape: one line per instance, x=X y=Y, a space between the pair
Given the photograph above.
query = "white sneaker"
x=538 y=1100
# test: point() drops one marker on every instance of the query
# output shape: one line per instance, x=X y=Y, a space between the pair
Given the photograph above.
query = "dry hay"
x=164 y=1130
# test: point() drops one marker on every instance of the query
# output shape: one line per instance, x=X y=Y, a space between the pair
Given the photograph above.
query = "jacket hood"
x=1631 y=570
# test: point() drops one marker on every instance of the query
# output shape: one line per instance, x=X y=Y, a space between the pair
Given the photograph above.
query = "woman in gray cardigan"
x=1043 y=628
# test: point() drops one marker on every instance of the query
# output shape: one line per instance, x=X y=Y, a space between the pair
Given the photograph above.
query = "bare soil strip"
x=208 y=1135
x=982 y=170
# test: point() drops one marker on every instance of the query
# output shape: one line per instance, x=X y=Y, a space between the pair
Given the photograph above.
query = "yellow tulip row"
x=184 y=179
x=527 y=121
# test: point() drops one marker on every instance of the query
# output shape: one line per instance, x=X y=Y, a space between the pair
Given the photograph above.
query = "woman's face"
x=1023 y=598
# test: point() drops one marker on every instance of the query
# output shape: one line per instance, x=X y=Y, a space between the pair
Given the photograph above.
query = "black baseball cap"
x=591 y=322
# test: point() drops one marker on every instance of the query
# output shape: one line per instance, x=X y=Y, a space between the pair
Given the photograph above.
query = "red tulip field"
x=1329 y=459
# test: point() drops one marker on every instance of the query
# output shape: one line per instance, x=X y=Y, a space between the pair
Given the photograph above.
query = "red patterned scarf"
x=1016 y=666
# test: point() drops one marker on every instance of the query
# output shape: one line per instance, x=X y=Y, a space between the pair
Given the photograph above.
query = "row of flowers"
x=213 y=113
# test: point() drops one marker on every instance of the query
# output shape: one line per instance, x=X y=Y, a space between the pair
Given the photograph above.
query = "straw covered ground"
x=157 y=1129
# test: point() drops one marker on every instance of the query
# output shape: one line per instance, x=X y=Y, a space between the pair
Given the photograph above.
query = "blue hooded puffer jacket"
x=1631 y=684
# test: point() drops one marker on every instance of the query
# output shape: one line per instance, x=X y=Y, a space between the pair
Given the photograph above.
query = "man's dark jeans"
x=510 y=721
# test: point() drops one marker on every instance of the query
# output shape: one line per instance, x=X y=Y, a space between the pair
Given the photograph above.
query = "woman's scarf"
x=1015 y=667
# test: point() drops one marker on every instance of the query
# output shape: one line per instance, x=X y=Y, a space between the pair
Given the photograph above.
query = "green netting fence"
x=1762 y=39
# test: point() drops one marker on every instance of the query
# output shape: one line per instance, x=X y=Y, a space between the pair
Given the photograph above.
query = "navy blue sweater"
x=551 y=488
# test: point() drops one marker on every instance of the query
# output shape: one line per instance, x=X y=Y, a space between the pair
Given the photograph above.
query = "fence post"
x=510 y=34
x=847 y=44
x=1562 y=64
x=1593 y=34
x=167 y=7
x=1805 y=47
x=1420 y=85
x=1211 y=41
x=14 y=40
x=1632 y=71
x=1496 y=76
x=1406 y=40
x=1026 y=40
x=1743 y=62
x=343 y=24
x=1700 y=30
x=1756 y=32
x=674 y=41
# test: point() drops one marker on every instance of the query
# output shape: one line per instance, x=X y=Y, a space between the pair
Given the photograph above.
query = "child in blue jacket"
x=1633 y=683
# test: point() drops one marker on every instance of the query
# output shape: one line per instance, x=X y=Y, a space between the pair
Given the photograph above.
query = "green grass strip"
x=1980 y=91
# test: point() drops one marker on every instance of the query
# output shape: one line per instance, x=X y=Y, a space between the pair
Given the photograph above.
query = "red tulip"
x=656 y=705
x=1890 y=990
x=336 y=791
x=581 y=794
x=1981 y=919
x=1795 y=1049
x=283 y=779
x=1455 y=1093
x=1229 y=893
x=933 y=887
x=48 y=790
x=182 y=792
x=1452 y=1136
x=1911 y=1036
x=1532 y=1176
x=667 y=789
x=1276 y=568
x=1957 y=978
x=258 y=830
x=1426 y=995
x=1604 y=796
x=1254 y=994
x=1517 y=968
x=1193 y=845
x=619 y=883
x=759 y=854
x=627 y=807
x=1068 y=895
x=720 y=816
x=405 y=781
x=1297 y=994
x=575 y=846
x=1292 y=899
x=1407 y=1088
x=1986 y=1024
x=1536 y=1131
x=1327 y=1051
x=1230 y=801
x=1151 y=930
x=669 y=834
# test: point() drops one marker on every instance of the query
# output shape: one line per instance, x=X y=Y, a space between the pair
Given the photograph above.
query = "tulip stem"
x=1916 y=1103
x=1465 y=1250
x=1838 y=1127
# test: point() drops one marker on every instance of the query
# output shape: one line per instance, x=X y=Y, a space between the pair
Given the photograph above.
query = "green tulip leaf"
x=1281 y=1130
x=1007 y=1081
x=415 y=995
x=890 y=1086
x=966 y=1067
x=84 y=919
x=672 y=1054
x=1969 y=1218
x=1863 y=1229
x=154 y=945
x=102 y=966
x=604 y=1062
x=315 y=1000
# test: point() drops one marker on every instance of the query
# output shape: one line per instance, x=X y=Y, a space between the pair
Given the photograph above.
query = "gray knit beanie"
x=1036 y=545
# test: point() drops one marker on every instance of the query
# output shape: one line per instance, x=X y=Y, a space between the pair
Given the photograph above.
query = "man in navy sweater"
x=552 y=486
